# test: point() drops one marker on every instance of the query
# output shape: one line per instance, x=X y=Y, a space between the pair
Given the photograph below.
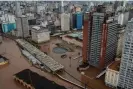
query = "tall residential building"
x=130 y=14
x=126 y=67
x=123 y=18
x=22 y=27
x=18 y=9
x=65 y=22
x=99 y=39
x=96 y=35
x=112 y=40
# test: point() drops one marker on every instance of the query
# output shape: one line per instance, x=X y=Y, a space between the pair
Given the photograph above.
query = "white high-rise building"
x=126 y=68
x=123 y=18
x=65 y=22
x=18 y=9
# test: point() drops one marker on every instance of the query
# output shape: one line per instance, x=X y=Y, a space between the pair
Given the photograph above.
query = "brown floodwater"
x=17 y=63
x=71 y=67
x=10 y=50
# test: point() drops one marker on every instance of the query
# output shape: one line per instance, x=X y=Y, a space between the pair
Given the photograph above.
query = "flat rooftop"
x=37 y=81
x=45 y=59
x=115 y=65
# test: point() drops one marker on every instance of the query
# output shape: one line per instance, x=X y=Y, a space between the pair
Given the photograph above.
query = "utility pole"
x=70 y=61
x=85 y=86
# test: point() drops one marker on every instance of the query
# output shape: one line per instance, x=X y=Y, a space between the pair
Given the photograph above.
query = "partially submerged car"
x=3 y=60
x=63 y=56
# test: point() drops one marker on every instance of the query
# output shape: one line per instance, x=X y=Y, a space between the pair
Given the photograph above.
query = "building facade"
x=96 y=35
x=126 y=67
x=99 y=39
x=65 y=22
x=112 y=40
x=120 y=43
x=40 y=35
x=22 y=27
x=123 y=18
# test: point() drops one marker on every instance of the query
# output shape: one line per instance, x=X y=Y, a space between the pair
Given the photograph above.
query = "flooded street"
x=71 y=67
x=10 y=50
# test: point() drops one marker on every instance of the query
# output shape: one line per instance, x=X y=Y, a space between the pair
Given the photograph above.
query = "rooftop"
x=40 y=28
x=37 y=80
x=45 y=59
x=115 y=65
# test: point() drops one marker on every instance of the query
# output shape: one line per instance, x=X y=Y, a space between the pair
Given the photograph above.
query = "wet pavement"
x=10 y=50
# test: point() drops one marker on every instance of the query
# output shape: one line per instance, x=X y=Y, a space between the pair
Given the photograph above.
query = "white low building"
x=112 y=74
x=8 y=18
x=40 y=34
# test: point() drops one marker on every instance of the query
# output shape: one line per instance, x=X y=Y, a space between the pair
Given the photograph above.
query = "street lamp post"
x=70 y=62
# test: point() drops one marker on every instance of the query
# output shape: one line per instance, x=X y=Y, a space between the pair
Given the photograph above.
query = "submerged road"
x=10 y=50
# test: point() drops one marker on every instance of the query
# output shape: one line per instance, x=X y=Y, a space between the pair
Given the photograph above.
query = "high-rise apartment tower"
x=126 y=68
x=99 y=39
